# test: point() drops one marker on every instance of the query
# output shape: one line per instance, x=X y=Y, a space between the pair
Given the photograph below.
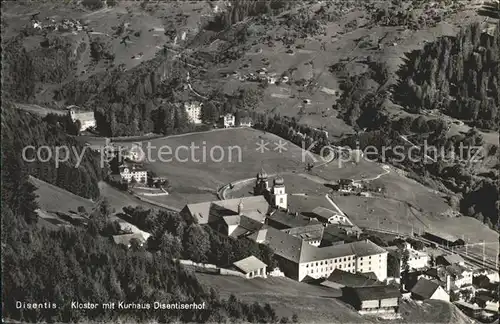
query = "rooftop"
x=289 y=220
x=255 y=208
x=311 y=232
x=444 y=236
x=453 y=258
x=126 y=238
x=350 y=279
x=249 y=264
x=376 y=292
x=425 y=288
x=297 y=250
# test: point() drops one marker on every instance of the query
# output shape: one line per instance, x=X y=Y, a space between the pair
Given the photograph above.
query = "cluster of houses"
x=323 y=247
x=65 y=25
x=310 y=248
x=447 y=278
x=262 y=75
x=193 y=112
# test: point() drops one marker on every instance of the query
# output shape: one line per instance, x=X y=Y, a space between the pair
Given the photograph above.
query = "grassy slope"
x=52 y=198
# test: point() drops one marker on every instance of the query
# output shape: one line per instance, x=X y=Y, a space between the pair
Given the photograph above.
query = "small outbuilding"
x=251 y=267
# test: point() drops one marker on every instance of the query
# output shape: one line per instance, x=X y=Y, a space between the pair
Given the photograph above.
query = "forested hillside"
x=21 y=129
x=80 y=265
x=456 y=75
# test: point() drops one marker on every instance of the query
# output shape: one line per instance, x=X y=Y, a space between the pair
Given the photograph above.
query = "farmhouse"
x=373 y=300
x=276 y=195
x=193 y=111
x=429 y=289
x=255 y=208
x=133 y=172
x=251 y=267
x=300 y=259
x=228 y=120
x=86 y=118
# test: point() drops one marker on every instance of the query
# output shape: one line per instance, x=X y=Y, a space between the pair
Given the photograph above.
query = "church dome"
x=279 y=181
x=262 y=175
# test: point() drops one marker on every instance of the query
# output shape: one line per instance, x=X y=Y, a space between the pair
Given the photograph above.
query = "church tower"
x=278 y=194
x=261 y=184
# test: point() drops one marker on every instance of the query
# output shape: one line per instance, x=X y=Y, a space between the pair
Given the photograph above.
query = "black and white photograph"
x=250 y=161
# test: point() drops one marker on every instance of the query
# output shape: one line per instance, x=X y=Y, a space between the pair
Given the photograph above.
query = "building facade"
x=228 y=120
x=193 y=111
x=129 y=172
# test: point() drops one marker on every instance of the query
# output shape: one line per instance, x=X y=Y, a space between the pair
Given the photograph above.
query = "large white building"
x=193 y=111
x=86 y=119
x=300 y=259
x=228 y=120
x=129 y=172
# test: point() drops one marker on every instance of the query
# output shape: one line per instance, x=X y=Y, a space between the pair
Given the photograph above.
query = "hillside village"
x=269 y=205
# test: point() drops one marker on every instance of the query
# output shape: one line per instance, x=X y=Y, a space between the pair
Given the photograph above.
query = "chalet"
x=429 y=289
x=374 y=299
x=251 y=267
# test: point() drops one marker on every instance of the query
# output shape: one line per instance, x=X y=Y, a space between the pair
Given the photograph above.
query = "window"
x=340 y=266
x=344 y=259
x=307 y=265
x=281 y=200
x=370 y=257
x=335 y=260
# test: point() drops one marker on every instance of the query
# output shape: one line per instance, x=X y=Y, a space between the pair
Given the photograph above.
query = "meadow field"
x=51 y=198
x=235 y=157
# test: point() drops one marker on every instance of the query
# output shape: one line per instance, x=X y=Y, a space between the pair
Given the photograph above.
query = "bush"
x=93 y=4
